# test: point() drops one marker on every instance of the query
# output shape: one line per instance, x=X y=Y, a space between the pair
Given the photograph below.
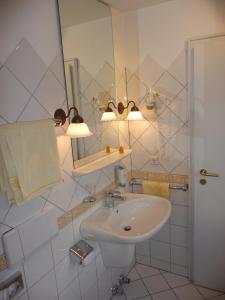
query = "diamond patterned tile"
x=179 y=105
x=57 y=67
x=61 y=195
x=167 y=295
x=133 y=275
x=180 y=140
x=27 y=66
x=150 y=70
x=13 y=96
x=152 y=140
x=135 y=89
x=50 y=93
x=19 y=214
x=170 y=157
x=182 y=168
x=207 y=293
x=168 y=123
x=146 y=271
x=92 y=90
x=106 y=76
x=137 y=128
x=156 y=284
x=34 y=111
x=85 y=78
x=135 y=289
x=178 y=67
x=168 y=86
x=175 y=280
x=187 y=292
x=139 y=155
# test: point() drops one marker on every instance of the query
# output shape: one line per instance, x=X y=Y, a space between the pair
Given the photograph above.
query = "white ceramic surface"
x=145 y=214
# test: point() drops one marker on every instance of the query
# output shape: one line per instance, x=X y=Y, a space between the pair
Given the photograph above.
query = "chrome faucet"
x=111 y=196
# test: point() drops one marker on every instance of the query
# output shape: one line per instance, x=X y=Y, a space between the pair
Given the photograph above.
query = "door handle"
x=204 y=172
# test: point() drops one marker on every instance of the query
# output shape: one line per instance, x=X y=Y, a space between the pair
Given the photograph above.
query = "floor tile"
x=146 y=271
x=133 y=275
x=175 y=280
x=187 y=292
x=135 y=289
x=167 y=295
x=156 y=284
x=207 y=293
x=219 y=297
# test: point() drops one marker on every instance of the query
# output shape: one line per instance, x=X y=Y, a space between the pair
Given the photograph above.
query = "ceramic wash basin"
x=129 y=222
x=133 y=220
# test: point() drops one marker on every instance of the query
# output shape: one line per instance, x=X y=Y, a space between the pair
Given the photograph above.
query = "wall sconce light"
x=133 y=115
x=77 y=128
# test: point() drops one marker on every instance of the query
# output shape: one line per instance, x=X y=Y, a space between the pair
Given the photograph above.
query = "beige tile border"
x=78 y=210
x=3 y=263
x=162 y=177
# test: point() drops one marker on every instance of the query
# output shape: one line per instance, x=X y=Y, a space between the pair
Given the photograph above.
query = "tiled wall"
x=32 y=87
x=169 y=249
x=155 y=58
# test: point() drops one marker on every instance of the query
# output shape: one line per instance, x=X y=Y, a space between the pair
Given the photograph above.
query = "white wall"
x=31 y=88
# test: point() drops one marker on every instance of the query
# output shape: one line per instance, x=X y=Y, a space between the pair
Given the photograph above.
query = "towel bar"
x=182 y=187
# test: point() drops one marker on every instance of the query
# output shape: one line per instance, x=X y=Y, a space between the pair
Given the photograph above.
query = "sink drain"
x=127 y=228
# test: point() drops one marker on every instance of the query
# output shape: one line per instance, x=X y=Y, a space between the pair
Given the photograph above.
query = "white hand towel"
x=29 y=161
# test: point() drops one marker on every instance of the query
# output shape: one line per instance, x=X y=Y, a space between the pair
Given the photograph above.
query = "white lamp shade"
x=108 y=116
x=78 y=130
x=135 y=116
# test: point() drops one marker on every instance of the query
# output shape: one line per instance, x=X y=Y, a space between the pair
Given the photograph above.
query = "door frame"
x=189 y=64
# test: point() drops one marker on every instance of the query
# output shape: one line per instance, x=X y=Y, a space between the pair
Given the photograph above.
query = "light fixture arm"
x=60 y=116
x=72 y=108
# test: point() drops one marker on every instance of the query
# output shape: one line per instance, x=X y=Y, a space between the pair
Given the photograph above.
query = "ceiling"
x=74 y=12
x=125 y=5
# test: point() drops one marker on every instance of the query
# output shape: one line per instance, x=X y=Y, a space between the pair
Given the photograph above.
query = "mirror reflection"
x=87 y=42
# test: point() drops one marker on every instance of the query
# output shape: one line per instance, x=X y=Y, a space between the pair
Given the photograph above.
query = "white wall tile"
x=143 y=248
x=163 y=235
x=179 y=236
x=19 y=214
x=34 y=111
x=14 y=96
x=179 y=255
x=160 y=250
x=91 y=293
x=87 y=276
x=104 y=283
x=65 y=271
x=62 y=242
x=50 y=93
x=62 y=194
x=26 y=65
x=38 y=264
x=71 y=292
x=163 y=265
x=45 y=288
x=179 y=215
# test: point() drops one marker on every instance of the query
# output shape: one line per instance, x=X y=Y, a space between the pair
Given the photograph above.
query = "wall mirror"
x=87 y=41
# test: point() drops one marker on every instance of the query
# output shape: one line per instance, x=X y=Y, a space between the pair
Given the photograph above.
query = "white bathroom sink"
x=134 y=220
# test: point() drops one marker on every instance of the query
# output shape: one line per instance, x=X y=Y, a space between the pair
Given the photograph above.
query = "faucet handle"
x=113 y=193
x=89 y=199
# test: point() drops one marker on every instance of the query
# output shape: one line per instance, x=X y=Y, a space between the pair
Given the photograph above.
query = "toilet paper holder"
x=80 y=251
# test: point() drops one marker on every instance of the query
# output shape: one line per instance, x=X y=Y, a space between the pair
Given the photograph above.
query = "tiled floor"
x=148 y=283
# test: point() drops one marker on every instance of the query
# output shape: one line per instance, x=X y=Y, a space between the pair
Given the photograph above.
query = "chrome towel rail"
x=182 y=187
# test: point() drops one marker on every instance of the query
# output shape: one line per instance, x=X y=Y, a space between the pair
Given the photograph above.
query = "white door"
x=208 y=152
